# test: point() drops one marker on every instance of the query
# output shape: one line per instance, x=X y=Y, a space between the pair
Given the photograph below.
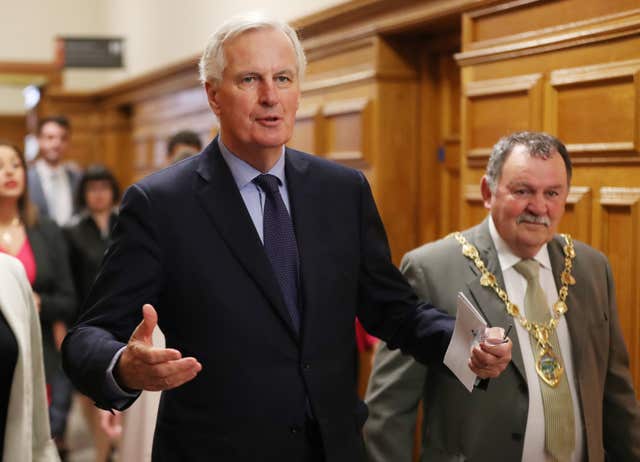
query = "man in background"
x=52 y=183
x=183 y=144
x=585 y=411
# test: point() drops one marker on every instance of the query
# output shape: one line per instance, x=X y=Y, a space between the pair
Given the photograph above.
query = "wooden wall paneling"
x=431 y=173
x=522 y=20
x=451 y=195
x=117 y=147
x=609 y=134
x=577 y=217
x=13 y=128
x=620 y=231
x=475 y=209
x=308 y=131
x=395 y=141
x=346 y=126
x=498 y=107
x=538 y=39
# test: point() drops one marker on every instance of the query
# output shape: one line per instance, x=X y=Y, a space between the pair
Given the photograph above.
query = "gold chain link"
x=540 y=331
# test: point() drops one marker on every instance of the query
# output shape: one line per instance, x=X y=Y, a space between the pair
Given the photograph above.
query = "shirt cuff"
x=119 y=397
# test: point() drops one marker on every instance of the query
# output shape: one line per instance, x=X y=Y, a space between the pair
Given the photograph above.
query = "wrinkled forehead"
x=267 y=37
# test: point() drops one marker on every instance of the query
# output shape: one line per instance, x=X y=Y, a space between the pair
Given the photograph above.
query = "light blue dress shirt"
x=252 y=195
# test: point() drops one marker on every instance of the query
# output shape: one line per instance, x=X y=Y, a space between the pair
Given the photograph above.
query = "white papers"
x=469 y=329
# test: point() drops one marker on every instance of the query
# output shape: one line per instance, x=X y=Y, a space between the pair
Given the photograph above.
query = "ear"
x=212 y=97
x=487 y=195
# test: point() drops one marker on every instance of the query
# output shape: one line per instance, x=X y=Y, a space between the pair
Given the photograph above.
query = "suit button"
x=306 y=366
x=295 y=429
x=516 y=436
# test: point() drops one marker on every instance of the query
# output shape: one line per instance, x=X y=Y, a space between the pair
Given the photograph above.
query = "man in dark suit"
x=591 y=413
x=257 y=259
x=52 y=183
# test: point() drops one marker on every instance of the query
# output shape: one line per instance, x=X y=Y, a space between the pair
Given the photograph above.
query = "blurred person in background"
x=181 y=145
x=39 y=244
x=89 y=231
x=24 y=423
x=52 y=182
x=88 y=236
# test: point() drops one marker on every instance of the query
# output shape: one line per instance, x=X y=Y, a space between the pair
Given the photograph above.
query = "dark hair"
x=96 y=172
x=184 y=137
x=56 y=119
x=26 y=209
x=538 y=144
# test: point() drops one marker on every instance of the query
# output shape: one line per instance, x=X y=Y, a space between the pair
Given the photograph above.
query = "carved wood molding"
x=332 y=82
x=556 y=29
x=597 y=152
x=472 y=193
x=499 y=86
x=344 y=107
x=600 y=30
x=625 y=197
x=577 y=193
x=530 y=84
x=308 y=111
x=364 y=18
x=593 y=73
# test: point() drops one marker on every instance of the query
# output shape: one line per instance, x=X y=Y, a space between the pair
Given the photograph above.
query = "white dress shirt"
x=516 y=287
x=57 y=191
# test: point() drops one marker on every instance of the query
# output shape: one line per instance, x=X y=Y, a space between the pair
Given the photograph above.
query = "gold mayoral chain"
x=548 y=364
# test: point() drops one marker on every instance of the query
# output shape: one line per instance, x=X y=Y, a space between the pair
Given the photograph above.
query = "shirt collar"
x=507 y=258
x=243 y=173
x=44 y=167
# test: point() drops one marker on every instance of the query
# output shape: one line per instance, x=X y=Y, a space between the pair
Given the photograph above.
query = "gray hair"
x=538 y=144
x=213 y=62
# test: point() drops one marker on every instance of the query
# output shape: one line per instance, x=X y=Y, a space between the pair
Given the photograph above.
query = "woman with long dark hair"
x=40 y=246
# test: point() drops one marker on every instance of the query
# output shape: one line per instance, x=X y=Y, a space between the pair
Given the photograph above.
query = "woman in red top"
x=39 y=244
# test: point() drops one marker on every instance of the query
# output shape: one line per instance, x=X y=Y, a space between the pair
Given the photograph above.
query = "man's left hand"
x=491 y=357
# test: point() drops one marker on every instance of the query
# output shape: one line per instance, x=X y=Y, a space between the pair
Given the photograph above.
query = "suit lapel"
x=218 y=194
x=486 y=299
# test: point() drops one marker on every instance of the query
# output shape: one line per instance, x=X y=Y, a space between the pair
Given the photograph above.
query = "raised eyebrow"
x=287 y=72
x=520 y=184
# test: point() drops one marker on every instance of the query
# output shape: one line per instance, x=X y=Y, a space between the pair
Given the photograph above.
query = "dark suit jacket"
x=53 y=284
x=489 y=425
x=36 y=192
x=185 y=242
x=86 y=250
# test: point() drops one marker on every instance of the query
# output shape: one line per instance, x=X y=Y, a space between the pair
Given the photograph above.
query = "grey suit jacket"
x=489 y=425
x=36 y=191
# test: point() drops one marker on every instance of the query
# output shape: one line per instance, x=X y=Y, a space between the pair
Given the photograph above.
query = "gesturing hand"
x=145 y=367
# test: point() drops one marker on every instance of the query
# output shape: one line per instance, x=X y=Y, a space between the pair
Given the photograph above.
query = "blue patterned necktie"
x=280 y=244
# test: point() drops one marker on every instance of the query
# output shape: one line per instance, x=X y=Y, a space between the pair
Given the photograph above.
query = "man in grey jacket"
x=567 y=394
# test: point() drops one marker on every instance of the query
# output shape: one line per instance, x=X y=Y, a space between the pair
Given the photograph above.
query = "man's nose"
x=268 y=93
x=537 y=205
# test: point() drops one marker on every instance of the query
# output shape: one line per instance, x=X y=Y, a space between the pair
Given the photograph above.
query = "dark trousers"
x=61 y=390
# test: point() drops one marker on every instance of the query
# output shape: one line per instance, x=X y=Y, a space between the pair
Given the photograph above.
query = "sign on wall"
x=84 y=52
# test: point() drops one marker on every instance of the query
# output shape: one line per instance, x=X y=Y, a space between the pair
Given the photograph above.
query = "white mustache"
x=528 y=218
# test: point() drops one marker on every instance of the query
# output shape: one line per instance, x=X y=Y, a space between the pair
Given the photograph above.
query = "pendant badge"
x=548 y=367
